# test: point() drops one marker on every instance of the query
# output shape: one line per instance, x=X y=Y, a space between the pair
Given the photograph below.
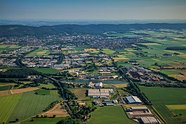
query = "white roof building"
x=99 y=92
x=149 y=120
x=99 y=85
x=133 y=100
x=91 y=84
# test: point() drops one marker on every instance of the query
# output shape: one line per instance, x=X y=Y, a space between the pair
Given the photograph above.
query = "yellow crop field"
x=175 y=107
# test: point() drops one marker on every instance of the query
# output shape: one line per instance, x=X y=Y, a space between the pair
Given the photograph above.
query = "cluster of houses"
x=16 y=51
x=75 y=62
x=48 y=61
x=43 y=60
x=22 y=50
x=143 y=75
x=107 y=73
x=7 y=62
x=8 y=58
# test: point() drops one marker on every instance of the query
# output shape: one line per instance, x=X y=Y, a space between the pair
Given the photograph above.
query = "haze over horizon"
x=92 y=10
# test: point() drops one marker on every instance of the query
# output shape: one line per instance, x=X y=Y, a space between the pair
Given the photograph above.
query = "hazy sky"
x=92 y=9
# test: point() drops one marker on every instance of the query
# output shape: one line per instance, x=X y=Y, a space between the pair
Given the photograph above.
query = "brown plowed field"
x=17 y=91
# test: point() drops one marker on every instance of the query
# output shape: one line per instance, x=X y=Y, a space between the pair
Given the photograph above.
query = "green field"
x=6 y=87
x=154 y=51
x=80 y=93
x=161 y=97
x=42 y=92
x=109 y=115
x=108 y=51
x=150 y=44
x=7 y=106
x=179 y=112
x=179 y=74
x=39 y=52
x=24 y=106
x=121 y=35
x=122 y=58
x=49 y=85
x=177 y=107
x=46 y=70
x=8 y=47
x=169 y=72
x=36 y=103
x=54 y=93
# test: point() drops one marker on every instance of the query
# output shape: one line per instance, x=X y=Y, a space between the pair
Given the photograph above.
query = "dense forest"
x=20 y=30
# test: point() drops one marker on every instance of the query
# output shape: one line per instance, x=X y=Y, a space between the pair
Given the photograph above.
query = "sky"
x=92 y=9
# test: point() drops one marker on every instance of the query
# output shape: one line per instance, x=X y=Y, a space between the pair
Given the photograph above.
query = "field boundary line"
x=158 y=114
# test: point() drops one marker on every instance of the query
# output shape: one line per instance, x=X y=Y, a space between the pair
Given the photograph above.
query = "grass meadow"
x=39 y=52
x=109 y=115
x=25 y=105
x=163 y=97
x=7 y=106
x=80 y=93
x=46 y=70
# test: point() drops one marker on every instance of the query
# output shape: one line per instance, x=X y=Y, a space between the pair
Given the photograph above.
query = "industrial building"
x=142 y=114
x=99 y=93
x=108 y=102
x=148 y=120
x=133 y=100
x=95 y=85
x=136 y=112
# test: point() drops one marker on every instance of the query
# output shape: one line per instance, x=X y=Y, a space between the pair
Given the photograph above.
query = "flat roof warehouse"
x=133 y=100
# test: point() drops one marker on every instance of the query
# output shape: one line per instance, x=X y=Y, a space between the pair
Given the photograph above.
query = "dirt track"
x=57 y=110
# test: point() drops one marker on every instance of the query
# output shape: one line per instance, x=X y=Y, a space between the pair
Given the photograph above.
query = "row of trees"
x=134 y=89
x=69 y=121
x=152 y=84
x=176 y=48
x=51 y=105
x=80 y=112
x=63 y=76
x=18 y=73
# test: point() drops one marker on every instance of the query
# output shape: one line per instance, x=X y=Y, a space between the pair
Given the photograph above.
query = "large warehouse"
x=99 y=93
x=133 y=100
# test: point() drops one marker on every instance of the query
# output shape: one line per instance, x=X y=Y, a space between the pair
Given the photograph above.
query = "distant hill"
x=20 y=30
